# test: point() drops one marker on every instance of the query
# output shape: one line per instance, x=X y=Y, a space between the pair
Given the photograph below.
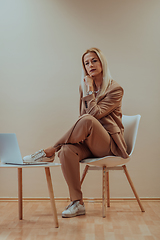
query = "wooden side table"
x=49 y=184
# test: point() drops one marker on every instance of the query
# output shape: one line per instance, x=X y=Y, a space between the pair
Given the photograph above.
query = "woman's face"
x=92 y=64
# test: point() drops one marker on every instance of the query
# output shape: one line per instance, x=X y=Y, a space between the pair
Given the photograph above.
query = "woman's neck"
x=98 y=81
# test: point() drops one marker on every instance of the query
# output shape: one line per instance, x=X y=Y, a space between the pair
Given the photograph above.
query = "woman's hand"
x=88 y=81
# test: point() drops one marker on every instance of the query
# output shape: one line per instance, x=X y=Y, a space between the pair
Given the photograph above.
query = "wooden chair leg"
x=20 y=203
x=50 y=189
x=84 y=173
x=133 y=188
x=104 y=192
x=108 y=190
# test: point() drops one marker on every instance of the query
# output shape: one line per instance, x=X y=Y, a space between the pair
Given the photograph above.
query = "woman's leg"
x=89 y=130
x=70 y=155
x=87 y=138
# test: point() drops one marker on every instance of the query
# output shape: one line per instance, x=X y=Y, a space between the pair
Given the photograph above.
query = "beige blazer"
x=107 y=109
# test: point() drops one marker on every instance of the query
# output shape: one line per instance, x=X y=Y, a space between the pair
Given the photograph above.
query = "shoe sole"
x=73 y=215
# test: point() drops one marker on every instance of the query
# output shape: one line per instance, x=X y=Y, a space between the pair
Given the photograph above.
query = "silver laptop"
x=9 y=150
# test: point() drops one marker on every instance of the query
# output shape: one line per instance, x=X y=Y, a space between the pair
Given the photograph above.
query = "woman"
x=97 y=133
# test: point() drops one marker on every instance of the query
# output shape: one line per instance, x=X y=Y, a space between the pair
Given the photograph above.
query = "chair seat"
x=108 y=161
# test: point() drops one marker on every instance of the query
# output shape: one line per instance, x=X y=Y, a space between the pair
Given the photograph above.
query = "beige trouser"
x=87 y=138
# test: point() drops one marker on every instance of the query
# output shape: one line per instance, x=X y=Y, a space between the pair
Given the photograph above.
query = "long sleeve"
x=103 y=107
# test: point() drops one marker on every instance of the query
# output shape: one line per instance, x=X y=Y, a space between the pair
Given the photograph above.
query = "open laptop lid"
x=10 y=152
x=9 y=149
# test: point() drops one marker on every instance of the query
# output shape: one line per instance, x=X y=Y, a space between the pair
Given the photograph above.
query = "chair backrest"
x=130 y=124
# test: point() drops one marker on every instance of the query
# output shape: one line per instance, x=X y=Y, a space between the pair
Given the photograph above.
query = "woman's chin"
x=92 y=75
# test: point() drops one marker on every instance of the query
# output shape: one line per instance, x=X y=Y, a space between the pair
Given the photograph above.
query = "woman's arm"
x=81 y=108
x=106 y=105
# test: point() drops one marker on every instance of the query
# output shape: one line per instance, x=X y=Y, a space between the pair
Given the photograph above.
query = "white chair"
x=108 y=163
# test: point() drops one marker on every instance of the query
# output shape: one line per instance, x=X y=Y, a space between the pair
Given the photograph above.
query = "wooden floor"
x=124 y=221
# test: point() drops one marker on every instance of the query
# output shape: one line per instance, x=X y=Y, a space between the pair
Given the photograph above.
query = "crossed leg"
x=85 y=139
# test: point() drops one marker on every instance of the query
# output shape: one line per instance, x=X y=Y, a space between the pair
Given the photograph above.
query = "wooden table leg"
x=20 y=203
x=50 y=189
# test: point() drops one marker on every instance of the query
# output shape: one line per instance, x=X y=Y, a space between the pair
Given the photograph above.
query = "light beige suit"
x=98 y=132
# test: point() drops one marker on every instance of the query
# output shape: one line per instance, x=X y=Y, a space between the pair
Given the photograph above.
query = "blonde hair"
x=106 y=73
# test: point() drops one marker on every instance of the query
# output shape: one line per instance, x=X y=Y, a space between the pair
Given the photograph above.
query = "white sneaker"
x=74 y=209
x=39 y=156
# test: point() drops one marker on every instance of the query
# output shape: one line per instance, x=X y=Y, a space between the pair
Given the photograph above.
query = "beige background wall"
x=41 y=43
